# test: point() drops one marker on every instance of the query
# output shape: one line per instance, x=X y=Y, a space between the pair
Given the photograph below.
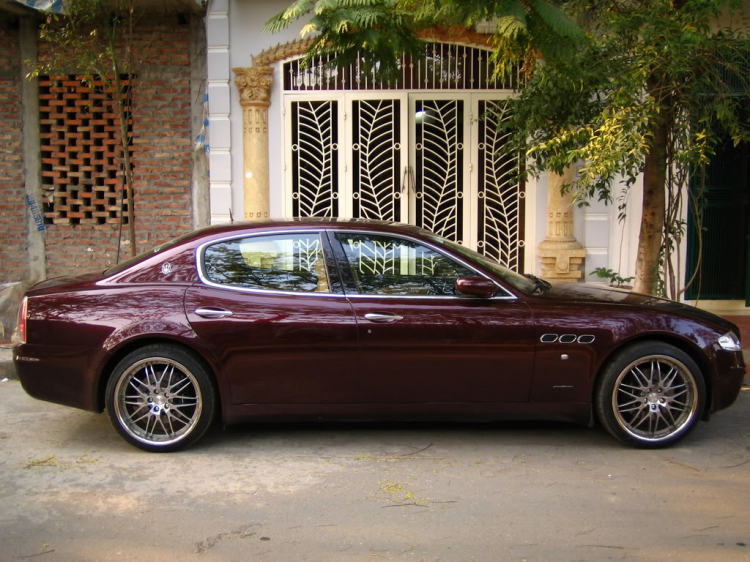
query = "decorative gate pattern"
x=376 y=159
x=501 y=196
x=439 y=167
x=315 y=159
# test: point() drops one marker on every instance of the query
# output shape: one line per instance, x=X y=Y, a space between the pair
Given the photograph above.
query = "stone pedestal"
x=560 y=252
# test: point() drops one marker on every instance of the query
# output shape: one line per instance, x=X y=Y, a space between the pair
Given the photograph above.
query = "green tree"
x=93 y=38
x=625 y=87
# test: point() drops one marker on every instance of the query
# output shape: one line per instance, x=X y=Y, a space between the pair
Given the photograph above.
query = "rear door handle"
x=210 y=312
x=382 y=317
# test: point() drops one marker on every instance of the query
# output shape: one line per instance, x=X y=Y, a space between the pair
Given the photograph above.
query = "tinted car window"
x=280 y=262
x=383 y=265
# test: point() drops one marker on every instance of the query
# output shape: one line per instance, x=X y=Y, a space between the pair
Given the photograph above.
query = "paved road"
x=70 y=489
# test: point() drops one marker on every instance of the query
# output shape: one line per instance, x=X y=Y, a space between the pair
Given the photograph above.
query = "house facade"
x=287 y=141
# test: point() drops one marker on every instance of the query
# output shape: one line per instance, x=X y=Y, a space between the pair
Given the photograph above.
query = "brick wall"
x=161 y=155
x=12 y=206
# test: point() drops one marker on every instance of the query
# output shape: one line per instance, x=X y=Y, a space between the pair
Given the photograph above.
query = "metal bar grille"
x=445 y=66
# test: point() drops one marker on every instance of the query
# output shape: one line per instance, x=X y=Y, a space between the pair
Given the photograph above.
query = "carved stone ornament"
x=254 y=84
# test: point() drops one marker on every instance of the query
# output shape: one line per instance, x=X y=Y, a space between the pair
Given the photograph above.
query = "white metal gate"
x=432 y=159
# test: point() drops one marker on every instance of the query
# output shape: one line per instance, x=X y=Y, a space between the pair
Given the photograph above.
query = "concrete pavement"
x=71 y=489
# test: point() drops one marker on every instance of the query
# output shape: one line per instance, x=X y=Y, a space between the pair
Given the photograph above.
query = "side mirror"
x=475 y=287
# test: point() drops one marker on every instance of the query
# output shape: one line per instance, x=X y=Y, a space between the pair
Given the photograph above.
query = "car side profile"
x=358 y=320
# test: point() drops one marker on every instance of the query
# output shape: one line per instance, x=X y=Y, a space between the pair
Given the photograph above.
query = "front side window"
x=279 y=262
x=384 y=265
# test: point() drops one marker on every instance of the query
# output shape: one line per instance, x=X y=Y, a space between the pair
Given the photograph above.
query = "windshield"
x=523 y=284
x=122 y=266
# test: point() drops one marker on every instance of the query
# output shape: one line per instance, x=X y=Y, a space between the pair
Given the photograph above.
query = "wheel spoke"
x=623 y=410
x=640 y=376
x=179 y=406
x=642 y=416
x=638 y=388
x=182 y=417
x=161 y=423
x=629 y=393
x=670 y=378
x=179 y=387
x=148 y=423
x=169 y=419
x=132 y=383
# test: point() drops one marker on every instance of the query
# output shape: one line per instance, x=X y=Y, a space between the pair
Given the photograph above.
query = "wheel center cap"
x=159 y=400
x=653 y=397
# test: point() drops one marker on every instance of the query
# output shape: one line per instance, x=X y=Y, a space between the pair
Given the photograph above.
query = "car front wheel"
x=161 y=398
x=651 y=395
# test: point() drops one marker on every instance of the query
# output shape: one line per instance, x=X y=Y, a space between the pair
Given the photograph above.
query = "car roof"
x=302 y=223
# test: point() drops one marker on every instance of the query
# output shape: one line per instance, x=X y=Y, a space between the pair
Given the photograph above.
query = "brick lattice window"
x=82 y=172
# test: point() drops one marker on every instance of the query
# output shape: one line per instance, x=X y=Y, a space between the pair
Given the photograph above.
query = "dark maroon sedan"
x=359 y=320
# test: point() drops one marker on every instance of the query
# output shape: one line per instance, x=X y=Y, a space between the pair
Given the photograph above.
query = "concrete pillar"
x=254 y=85
x=199 y=184
x=560 y=252
x=32 y=165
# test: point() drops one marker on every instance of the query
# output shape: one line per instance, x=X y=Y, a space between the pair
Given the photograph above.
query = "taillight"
x=22 y=319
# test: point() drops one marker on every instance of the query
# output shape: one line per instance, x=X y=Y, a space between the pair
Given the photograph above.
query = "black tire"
x=161 y=398
x=650 y=395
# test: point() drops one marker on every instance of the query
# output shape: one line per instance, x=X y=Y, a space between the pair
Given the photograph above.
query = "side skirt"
x=550 y=411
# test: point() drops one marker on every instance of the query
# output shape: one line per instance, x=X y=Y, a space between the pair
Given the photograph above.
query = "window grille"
x=445 y=66
x=82 y=171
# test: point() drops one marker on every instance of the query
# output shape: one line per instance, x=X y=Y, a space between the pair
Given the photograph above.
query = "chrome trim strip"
x=202 y=276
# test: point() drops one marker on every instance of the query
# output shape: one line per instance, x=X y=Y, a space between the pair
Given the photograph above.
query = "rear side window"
x=278 y=262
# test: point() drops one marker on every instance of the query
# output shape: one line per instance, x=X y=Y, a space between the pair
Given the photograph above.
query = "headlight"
x=730 y=342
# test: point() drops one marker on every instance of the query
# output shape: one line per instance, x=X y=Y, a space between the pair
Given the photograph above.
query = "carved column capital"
x=254 y=84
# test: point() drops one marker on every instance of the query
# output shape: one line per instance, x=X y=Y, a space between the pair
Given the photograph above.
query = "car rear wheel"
x=161 y=398
x=651 y=395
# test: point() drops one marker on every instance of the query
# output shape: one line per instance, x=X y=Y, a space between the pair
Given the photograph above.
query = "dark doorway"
x=725 y=206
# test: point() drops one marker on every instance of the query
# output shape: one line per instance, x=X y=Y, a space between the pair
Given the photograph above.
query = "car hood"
x=587 y=293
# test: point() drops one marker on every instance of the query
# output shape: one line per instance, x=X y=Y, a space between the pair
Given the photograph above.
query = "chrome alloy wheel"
x=654 y=398
x=158 y=401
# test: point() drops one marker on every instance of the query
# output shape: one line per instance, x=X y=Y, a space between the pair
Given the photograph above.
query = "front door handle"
x=382 y=318
x=210 y=312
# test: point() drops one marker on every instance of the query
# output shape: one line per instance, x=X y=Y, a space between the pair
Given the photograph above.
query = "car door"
x=272 y=310
x=419 y=341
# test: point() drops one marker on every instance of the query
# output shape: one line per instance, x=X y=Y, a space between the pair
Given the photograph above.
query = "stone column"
x=254 y=84
x=560 y=252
